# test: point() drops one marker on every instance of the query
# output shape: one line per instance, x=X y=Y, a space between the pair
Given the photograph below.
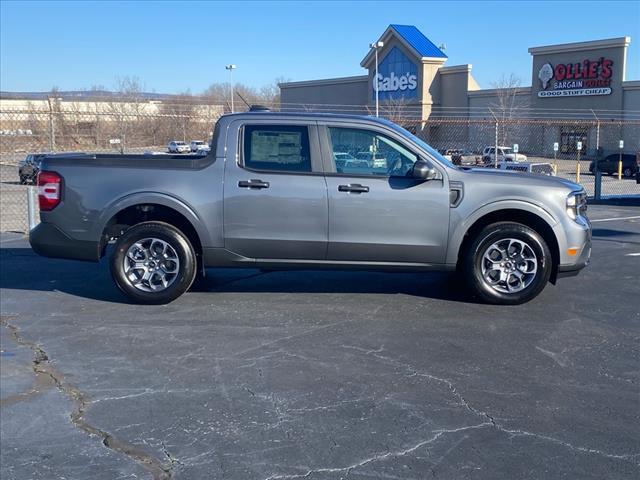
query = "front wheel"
x=627 y=172
x=507 y=264
x=153 y=263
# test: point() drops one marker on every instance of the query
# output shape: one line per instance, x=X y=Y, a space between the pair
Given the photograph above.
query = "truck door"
x=377 y=213
x=275 y=195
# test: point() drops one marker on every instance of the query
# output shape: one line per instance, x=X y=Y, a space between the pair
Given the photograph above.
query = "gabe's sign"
x=397 y=77
x=589 y=77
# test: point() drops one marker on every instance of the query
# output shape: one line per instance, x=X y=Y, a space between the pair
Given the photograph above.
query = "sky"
x=177 y=47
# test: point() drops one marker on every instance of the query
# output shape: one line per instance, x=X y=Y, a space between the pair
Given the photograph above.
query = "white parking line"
x=613 y=219
x=633 y=254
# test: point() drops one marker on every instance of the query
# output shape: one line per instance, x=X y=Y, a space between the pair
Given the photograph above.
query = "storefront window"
x=570 y=136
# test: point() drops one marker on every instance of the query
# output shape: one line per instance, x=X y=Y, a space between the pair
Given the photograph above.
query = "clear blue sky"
x=178 y=46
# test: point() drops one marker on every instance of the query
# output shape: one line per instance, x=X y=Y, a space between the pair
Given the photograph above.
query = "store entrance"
x=570 y=136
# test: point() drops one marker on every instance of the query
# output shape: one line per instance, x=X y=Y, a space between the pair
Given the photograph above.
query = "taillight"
x=49 y=190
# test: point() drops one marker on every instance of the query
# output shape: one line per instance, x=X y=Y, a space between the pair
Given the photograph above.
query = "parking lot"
x=322 y=375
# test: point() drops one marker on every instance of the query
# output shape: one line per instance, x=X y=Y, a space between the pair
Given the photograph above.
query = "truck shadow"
x=22 y=269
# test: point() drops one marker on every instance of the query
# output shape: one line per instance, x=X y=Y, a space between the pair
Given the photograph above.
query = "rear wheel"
x=627 y=172
x=153 y=263
x=507 y=263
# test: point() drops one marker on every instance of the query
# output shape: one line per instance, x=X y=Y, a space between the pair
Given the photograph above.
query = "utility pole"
x=376 y=46
x=231 y=67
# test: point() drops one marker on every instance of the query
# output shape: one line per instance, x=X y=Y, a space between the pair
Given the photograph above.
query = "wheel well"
x=147 y=212
x=529 y=219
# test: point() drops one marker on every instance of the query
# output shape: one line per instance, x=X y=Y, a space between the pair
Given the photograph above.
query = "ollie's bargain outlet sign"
x=589 y=77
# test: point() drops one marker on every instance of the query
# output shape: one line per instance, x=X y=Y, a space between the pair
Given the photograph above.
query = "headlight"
x=577 y=205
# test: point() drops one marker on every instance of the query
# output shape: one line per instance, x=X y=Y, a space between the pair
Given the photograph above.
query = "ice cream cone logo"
x=545 y=75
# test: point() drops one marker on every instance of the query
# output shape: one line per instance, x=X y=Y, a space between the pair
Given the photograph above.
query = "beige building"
x=583 y=82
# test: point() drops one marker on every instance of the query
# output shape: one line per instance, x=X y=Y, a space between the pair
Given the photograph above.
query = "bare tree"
x=508 y=105
x=126 y=107
x=268 y=95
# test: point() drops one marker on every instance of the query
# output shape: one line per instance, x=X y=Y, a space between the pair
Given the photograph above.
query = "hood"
x=510 y=177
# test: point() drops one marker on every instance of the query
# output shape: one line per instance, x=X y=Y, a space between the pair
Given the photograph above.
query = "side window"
x=365 y=152
x=278 y=148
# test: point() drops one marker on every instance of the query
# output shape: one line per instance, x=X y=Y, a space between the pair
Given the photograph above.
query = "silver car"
x=272 y=195
x=176 y=146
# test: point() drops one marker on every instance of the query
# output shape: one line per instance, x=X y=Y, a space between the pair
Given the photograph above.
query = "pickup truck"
x=270 y=195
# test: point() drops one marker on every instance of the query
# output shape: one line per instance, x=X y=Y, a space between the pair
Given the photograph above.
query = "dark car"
x=28 y=168
x=609 y=164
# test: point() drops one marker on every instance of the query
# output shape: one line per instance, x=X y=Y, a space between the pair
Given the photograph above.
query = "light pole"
x=231 y=67
x=376 y=46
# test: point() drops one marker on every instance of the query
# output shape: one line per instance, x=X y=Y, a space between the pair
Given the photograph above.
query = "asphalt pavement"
x=321 y=375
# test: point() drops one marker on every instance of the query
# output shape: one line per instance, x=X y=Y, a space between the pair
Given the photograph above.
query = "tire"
x=153 y=263
x=627 y=172
x=23 y=180
x=524 y=281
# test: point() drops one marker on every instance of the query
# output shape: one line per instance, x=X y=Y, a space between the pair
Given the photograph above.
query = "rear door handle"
x=253 y=183
x=353 y=188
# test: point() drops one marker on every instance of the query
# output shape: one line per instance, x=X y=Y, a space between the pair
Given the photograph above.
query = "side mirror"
x=424 y=170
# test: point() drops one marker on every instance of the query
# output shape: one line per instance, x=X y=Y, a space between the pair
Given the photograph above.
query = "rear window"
x=279 y=148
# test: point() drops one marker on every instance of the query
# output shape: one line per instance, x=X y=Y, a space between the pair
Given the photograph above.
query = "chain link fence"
x=130 y=127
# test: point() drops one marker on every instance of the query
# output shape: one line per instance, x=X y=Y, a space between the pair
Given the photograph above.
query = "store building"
x=579 y=81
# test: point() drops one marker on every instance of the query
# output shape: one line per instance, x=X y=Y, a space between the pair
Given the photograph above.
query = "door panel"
x=377 y=212
x=397 y=220
x=269 y=212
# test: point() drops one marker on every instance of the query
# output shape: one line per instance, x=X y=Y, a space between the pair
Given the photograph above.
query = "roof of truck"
x=304 y=115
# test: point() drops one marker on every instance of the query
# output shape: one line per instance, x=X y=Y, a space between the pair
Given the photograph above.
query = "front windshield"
x=421 y=143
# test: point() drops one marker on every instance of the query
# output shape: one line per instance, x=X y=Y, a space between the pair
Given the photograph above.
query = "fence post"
x=32 y=211
x=52 y=132
x=496 y=146
x=597 y=186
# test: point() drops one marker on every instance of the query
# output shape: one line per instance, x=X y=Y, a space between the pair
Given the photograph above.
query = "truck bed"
x=169 y=161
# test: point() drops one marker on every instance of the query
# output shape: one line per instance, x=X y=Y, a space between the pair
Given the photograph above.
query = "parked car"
x=28 y=168
x=342 y=159
x=609 y=164
x=504 y=154
x=203 y=149
x=455 y=155
x=196 y=145
x=270 y=196
x=541 y=168
x=375 y=160
x=176 y=146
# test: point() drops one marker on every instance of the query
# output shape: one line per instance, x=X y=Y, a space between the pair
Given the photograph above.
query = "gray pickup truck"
x=306 y=191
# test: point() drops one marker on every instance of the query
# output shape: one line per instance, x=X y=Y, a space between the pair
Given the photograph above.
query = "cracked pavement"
x=321 y=375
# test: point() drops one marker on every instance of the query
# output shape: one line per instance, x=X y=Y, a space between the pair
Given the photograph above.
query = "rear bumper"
x=49 y=241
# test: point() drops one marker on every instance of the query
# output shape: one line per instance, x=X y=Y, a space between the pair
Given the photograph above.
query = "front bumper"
x=48 y=240
x=577 y=236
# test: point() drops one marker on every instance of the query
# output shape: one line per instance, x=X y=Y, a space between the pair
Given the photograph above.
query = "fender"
x=160 y=199
x=458 y=231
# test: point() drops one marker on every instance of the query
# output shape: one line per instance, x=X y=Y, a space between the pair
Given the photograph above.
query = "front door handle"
x=353 y=188
x=253 y=183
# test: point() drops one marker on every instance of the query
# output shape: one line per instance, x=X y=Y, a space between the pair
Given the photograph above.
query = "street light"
x=376 y=46
x=231 y=67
